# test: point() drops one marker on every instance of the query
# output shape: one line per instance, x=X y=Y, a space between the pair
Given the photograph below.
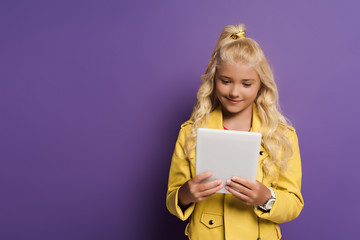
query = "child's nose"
x=234 y=91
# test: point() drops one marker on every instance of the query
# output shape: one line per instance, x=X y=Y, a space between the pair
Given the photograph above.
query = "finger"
x=244 y=182
x=244 y=190
x=200 y=177
x=209 y=185
x=243 y=198
x=211 y=191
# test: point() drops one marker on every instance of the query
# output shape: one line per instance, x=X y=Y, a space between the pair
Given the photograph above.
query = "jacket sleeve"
x=289 y=201
x=179 y=174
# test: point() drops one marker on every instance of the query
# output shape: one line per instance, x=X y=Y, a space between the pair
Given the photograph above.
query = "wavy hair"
x=273 y=124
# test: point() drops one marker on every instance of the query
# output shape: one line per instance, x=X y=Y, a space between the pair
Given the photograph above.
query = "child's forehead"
x=236 y=70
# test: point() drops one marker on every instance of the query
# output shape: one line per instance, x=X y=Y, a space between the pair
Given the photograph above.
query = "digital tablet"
x=227 y=153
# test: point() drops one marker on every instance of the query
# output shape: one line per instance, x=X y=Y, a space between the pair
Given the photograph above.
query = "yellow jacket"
x=232 y=219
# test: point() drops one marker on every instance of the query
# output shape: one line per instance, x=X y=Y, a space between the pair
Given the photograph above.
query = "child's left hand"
x=250 y=193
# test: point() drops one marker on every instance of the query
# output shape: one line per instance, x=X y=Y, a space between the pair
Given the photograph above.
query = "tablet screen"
x=227 y=153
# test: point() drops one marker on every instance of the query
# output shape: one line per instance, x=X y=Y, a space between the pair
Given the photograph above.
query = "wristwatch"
x=269 y=204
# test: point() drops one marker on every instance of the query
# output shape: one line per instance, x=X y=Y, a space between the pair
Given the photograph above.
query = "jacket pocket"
x=211 y=220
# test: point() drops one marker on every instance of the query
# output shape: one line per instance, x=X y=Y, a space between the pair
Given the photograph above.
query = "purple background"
x=93 y=92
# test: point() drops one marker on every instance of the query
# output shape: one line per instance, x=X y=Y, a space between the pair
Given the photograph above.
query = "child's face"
x=236 y=86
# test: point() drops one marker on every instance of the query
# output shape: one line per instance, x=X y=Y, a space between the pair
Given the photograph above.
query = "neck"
x=239 y=121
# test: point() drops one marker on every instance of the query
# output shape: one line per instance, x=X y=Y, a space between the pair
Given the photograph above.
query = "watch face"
x=270 y=203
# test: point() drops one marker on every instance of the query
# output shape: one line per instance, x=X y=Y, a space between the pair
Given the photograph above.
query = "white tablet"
x=227 y=153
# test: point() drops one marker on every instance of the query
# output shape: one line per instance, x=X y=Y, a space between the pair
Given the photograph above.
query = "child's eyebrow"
x=222 y=76
x=245 y=80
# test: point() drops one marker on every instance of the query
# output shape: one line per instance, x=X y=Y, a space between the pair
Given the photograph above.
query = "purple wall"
x=92 y=94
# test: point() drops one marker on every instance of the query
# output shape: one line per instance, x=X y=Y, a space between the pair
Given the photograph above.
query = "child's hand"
x=194 y=191
x=248 y=192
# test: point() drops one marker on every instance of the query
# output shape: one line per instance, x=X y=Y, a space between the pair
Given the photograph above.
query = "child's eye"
x=225 y=81
x=247 y=84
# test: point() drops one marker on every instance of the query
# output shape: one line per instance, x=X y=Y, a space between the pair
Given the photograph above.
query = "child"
x=237 y=92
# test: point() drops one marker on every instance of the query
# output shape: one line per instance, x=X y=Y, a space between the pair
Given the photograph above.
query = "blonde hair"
x=273 y=123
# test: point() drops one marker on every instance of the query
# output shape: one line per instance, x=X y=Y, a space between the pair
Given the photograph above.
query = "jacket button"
x=211 y=222
x=261 y=153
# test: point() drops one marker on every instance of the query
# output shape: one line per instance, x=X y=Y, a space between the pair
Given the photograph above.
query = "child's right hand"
x=195 y=191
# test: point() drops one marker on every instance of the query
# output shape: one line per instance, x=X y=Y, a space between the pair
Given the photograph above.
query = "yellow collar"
x=216 y=119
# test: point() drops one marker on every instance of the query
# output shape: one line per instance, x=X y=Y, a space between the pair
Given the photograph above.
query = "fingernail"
x=228 y=181
x=234 y=178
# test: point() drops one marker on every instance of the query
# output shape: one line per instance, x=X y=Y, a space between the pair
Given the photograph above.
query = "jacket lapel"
x=216 y=119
